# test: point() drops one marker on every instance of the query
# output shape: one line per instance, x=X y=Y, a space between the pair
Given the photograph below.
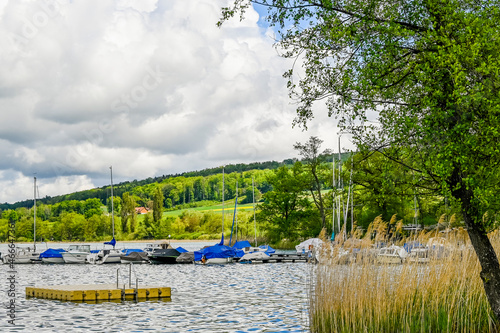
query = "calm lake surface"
x=225 y=298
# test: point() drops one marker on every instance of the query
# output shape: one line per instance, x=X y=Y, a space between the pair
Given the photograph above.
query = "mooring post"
x=130 y=276
x=117 y=270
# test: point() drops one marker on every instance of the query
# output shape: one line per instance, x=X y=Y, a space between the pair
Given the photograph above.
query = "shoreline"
x=125 y=241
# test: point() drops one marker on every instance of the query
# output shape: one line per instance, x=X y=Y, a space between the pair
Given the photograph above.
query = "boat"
x=391 y=255
x=76 y=254
x=245 y=252
x=167 y=255
x=107 y=255
x=25 y=255
x=310 y=248
x=185 y=257
x=134 y=256
x=21 y=255
x=215 y=254
x=218 y=253
x=419 y=255
x=156 y=246
x=52 y=256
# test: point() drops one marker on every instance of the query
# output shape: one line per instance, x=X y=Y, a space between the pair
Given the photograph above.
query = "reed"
x=444 y=295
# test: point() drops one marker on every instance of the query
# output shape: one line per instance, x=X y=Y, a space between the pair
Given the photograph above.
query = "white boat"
x=217 y=261
x=22 y=255
x=107 y=256
x=391 y=255
x=255 y=257
x=310 y=248
x=53 y=260
x=159 y=245
x=419 y=255
x=218 y=253
x=52 y=256
x=25 y=255
x=76 y=254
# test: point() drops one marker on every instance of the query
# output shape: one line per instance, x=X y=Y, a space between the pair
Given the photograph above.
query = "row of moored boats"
x=155 y=253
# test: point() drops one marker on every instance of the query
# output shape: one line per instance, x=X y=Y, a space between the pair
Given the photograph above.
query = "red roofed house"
x=141 y=210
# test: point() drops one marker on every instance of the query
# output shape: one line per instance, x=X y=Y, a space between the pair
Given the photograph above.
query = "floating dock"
x=98 y=292
x=281 y=258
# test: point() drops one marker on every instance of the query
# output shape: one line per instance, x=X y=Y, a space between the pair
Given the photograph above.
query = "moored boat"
x=52 y=256
x=76 y=254
x=391 y=255
x=134 y=256
x=21 y=255
x=166 y=255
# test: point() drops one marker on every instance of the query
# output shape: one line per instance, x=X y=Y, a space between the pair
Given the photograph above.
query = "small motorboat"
x=391 y=255
x=167 y=255
x=52 y=256
x=76 y=254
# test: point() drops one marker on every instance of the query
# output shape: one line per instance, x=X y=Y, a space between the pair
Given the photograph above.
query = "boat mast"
x=112 y=205
x=34 y=215
x=254 y=221
x=334 y=189
x=222 y=205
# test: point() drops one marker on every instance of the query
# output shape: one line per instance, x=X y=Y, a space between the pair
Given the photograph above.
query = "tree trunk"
x=490 y=267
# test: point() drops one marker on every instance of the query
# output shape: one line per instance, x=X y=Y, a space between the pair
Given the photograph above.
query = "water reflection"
x=230 y=298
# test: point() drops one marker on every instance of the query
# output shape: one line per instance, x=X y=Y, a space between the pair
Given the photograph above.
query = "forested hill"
x=103 y=193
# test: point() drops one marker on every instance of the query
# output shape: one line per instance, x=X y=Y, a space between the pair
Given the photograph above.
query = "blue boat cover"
x=241 y=244
x=94 y=251
x=129 y=251
x=181 y=249
x=215 y=251
x=111 y=242
x=52 y=253
x=268 y=249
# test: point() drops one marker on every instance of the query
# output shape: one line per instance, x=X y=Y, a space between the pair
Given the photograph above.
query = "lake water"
x=225 y=298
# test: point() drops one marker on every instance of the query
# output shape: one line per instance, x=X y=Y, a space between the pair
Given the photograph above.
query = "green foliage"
x=157 y=204
x=128 y=214
x=286 y=205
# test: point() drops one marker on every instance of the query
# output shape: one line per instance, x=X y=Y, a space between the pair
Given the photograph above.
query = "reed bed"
x=443 y=295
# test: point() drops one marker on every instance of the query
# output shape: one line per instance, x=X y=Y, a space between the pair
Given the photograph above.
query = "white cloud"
x=150 y=87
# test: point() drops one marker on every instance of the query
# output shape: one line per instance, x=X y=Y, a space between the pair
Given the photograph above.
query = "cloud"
x=150 y=87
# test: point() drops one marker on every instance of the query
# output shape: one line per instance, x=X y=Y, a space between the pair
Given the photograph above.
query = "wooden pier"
x=283 y=258
x=98 y=292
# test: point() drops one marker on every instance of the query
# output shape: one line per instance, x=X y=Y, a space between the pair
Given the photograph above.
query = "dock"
x=283 y=258
x=98 y=292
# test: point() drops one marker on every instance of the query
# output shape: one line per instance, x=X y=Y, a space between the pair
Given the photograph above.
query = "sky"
x=149 y=87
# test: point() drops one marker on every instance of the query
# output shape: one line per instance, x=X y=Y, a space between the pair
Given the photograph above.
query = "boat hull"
x=162 y=260
x=75 y=257
x=382 y=259
x=53 y=260
x=215 y=261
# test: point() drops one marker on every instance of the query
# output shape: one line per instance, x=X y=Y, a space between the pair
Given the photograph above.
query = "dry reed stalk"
x=444 y=295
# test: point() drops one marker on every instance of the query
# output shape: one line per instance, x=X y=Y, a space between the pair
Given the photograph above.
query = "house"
x=141 y=210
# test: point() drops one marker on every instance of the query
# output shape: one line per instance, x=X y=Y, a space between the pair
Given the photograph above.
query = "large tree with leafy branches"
x=317 y=171
x=419 y=75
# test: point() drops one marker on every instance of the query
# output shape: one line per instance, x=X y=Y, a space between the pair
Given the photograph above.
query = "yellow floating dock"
x=99 y=292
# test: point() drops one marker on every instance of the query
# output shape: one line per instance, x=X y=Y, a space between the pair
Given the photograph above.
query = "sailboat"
x=218 y=253
x=26 y=255
x=253 y=254
x=107 y=255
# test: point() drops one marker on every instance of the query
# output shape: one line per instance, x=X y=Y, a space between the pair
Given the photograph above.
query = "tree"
x=428 y=70
x=128 y=214
x=285 y=205
x=316 y=171
x=157 y=205
x=117 y=204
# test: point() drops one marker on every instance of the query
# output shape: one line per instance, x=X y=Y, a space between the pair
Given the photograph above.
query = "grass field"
x=228 y=208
